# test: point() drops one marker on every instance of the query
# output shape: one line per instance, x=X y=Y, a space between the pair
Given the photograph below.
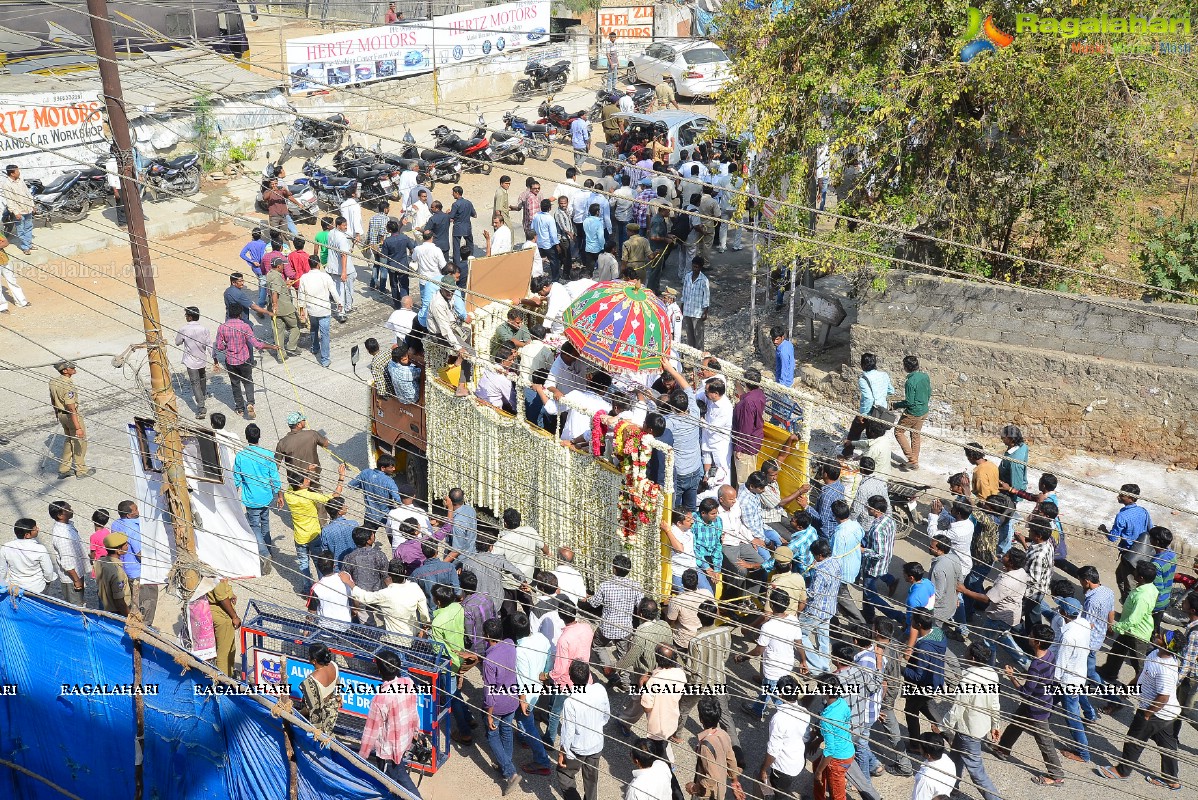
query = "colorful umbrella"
x=620 y=326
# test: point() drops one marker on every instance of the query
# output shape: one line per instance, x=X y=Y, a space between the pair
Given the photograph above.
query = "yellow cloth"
x=305 y=519
x=985 y=480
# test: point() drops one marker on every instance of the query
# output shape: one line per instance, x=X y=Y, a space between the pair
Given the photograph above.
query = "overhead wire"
x=795 y=236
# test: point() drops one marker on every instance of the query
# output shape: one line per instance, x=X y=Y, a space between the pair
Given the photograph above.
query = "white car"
x=697 y=69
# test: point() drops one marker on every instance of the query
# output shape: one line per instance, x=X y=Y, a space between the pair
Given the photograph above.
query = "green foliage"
x=1029 y=151
x=208 y=139
x=1169 y=254
x=240 y=153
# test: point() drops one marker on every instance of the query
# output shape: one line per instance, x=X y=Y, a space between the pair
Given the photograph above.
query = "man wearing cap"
x=297 y=452
x=237 y=299
x=789 y=580
x=627 y=106
x=65 y=401
x=196 y=341
x=17 y=198
x=441 y=328
x=1073 y=653
x=636 y=251
x=111 y=580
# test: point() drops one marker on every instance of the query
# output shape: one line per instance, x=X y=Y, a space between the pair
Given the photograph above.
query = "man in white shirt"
x=567 y=373
x=717 y=435
x=1072 y=653
x=567 y=189
x=351 y=209
x=1156 y=715
x=500 y=241
x=69 y=551
x=577 y=429
x=776 y=645
x=26 y=562
x=406 y=510
x=428 y=261
x=959 y=533
x=400 y=321
x=400 y=603
x=341 y=260
x=938 y=775
x=785 y=751
x=582 y=719
x=330 y=595
x=407 y=182
x=520 y=544
x=495 y=388
x=570 y=582
x=626 y=104
x=196 y=341
x=319 y=298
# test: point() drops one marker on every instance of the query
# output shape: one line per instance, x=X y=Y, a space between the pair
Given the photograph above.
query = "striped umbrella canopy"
x=620 y=326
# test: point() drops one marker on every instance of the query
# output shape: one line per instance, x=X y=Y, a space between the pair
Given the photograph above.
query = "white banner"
x=68 y=123
x=634 y=22
x=371 y=54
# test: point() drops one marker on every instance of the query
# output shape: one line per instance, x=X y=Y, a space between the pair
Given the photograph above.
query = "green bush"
x=1169 y=255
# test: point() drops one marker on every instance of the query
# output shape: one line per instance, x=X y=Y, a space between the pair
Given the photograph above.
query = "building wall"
x=1072 y=374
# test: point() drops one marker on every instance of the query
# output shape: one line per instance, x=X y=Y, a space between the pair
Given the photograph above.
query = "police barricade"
x=274 y=650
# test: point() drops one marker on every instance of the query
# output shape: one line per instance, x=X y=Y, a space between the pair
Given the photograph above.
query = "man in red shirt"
x=297 y=262
x=392 y=722
x=574 y=642
x=748 y=424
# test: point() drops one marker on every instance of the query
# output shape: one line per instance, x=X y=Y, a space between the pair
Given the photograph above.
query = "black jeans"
x=917 y=704
x=1144 y=728
x=1021 y=723
x=1125 y=648
x=241 y=380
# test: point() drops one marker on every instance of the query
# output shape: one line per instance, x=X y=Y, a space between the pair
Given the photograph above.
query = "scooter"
x=540 y=77
x=536 y=136
x=506 y=148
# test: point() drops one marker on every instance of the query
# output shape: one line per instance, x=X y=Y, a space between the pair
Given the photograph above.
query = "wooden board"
x=503 y=277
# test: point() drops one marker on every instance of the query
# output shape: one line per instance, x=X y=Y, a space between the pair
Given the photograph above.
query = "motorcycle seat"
x=364 y=173
x=503 y=137
x=533 y=127
x=59 y=183
x=476 y=142
x=341 y=184
x=181 y=162
x=434 y=155
x=560 y=66
x=337 y=119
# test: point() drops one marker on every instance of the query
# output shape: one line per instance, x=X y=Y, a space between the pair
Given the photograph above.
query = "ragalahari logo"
x=983 y=35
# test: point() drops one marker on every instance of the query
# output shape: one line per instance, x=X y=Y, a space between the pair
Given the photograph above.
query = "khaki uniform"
x=607 y=121
x=222 y=626
x=112 y=583
x=636 y=252
x=286 y=315
x=663 y=95
x=64 y=398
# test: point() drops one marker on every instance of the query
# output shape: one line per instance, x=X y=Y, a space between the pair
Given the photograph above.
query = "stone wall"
x=1072 y=373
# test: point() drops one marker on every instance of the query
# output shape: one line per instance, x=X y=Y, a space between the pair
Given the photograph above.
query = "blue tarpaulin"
x=196 y=745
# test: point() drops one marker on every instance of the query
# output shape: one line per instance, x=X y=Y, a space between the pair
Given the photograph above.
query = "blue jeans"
x=872 y=598
x=819 y=657
x=865 y=757
x=22 y=230
x=345 y=290
x=621 y=236
x=967 y=756
x=428 y=290
x=1006 y=537
x=768 y=696
x=531 y=735
x=704 y=583
x=261 y=290
x=259 y=519
x=996 y=634
x=399 y=773
x=378 y=274
x=1071 y=705
x=500 y=743
x=555 y=718
x=302 y=551
x=320 y=338
x=686 y=490
x=294 y=231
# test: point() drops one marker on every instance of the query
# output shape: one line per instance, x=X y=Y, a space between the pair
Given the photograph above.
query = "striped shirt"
x=1099 y=603
x=707 y=656
x=1039 y=565
x=878 y=546
x=873 y=667
x=750 y=512
x=1166 y=566
x=642 y=209
x=619 y=598
x=696 y=295
x=800 y=545
x=377 y=230
x=825 y=586
x=1189 y=653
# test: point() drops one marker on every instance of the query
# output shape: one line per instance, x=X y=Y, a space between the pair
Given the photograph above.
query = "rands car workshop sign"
x=371 y=54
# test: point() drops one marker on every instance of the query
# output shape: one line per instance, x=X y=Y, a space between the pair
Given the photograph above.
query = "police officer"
x=65 y=400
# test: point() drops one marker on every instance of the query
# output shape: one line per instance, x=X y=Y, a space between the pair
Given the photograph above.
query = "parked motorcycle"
x=536 y=136
x=903 y=506
x=556 y=116
x=506 y=148
x=330 y=188
x=315 y=135
x=642 y=99
x=176 y=177
x=542 y=77
x=302 y=205
x=71 y=195
x=476 y=152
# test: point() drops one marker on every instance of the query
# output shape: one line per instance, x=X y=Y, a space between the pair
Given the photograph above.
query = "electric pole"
x=166 y=415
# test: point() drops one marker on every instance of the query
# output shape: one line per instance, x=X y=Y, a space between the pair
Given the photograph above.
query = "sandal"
x=1044 y=780
x=1110 y=774
x=1155 y=781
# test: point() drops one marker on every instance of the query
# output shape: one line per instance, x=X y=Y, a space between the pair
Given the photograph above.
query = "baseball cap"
x=645 y=182
x=447 y=282
x=114 y=540
x=64 y=364
x=1069 y=606
x=295 y=418
x=783 y=555
x=630 y=90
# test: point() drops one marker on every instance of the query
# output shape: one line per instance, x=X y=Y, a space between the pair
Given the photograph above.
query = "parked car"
x=697 y=69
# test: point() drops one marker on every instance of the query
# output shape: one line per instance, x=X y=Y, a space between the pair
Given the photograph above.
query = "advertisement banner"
x=633 y=22
x=388 y=51
x=70 y=123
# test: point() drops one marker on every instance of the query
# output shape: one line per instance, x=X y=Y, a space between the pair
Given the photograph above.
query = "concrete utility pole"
x=170 y=443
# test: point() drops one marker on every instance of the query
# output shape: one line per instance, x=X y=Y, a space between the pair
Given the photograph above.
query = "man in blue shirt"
x=783 y=407
x=461 y=211
x=238 y=299
x=252 y=255
x=439 y=224
x=1131 y=523
x=463 y=520
x=544 y=228
x=397 y=257
x=683 y=424
x=435 y=572
x=256 y=476
x=831 y=491
x=580 y=137
x=594 y=236
x=338 y=535
x=144 y=597
x=381 y=493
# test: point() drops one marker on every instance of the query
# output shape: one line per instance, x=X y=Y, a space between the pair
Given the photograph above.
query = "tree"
x=1024 y=150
